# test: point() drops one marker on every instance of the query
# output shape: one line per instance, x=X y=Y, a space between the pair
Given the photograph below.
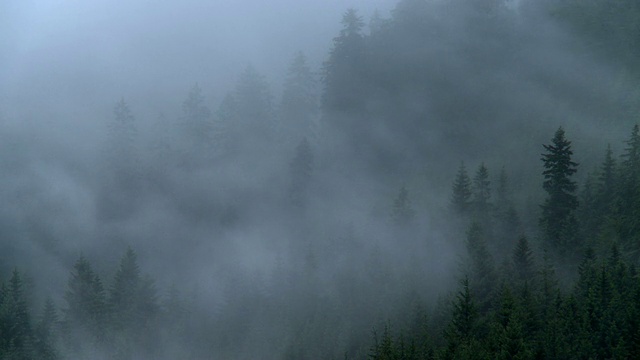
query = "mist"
x=278 y=181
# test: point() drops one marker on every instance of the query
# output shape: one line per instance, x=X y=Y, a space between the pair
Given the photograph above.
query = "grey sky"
x=97 y=51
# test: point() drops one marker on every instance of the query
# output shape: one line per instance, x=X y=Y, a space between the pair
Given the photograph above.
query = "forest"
x=457 y=179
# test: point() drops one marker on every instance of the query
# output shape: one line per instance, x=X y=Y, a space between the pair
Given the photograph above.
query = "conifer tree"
x=508 y=225
x=481 y=191
x=342 y=92
x=523 y=263
x=462 y=340
x=461 y=198
x=507 y=329
x=133 y=305
x=482 y=271
x=16 y=336
x=558 y=211
x=85 y=314
x=45 y=332
x=627 y=209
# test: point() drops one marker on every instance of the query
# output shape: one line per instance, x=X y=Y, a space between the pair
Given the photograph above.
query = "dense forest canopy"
x=439 y=180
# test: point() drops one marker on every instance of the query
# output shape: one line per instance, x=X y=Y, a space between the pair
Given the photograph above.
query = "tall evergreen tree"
x=627 y=209
x=341 y=72
x=558 y=211
x=482 y=269
x=507 y=222
x=16 y=335
x=462 y=332
x=481 y=191
x=461 y=198
x=523 y=262
x=45 y=332
x=134 y=307
x=85 y=314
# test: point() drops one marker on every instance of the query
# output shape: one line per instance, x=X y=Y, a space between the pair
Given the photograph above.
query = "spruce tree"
x=342 y=83
x=461 y=197
x=558 y=211
x=482 y=271
x=627 y=209
x=45 y=332
x=85 y=314
x=16 y=336
x=523 y=262
x=481 y=191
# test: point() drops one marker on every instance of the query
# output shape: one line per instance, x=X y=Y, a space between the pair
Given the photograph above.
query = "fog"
x=167 y=128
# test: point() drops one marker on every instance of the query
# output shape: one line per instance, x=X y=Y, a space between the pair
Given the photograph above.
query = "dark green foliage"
x=558 y=220
x=507 y=329
x=624 y=218
x=523 y=263
x=464 y=320
x=482 y=275
x=16 y=336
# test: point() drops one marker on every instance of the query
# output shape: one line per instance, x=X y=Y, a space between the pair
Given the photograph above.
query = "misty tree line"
x=246 y=125
x=514 y=305
x=384 y=94
x=118 y=321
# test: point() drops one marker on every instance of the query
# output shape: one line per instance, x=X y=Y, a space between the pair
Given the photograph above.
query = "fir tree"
x=16 y=336
x=45 y=332
x=482 y=271
x=85 y=314
x=523 y=263
x=481 y=191
x=627 y=209
x=461 y=198
x=558 y=211
x=342 y=92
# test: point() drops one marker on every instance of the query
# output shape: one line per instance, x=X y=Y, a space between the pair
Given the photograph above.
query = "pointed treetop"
x=461 y=198
x=352 y=23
